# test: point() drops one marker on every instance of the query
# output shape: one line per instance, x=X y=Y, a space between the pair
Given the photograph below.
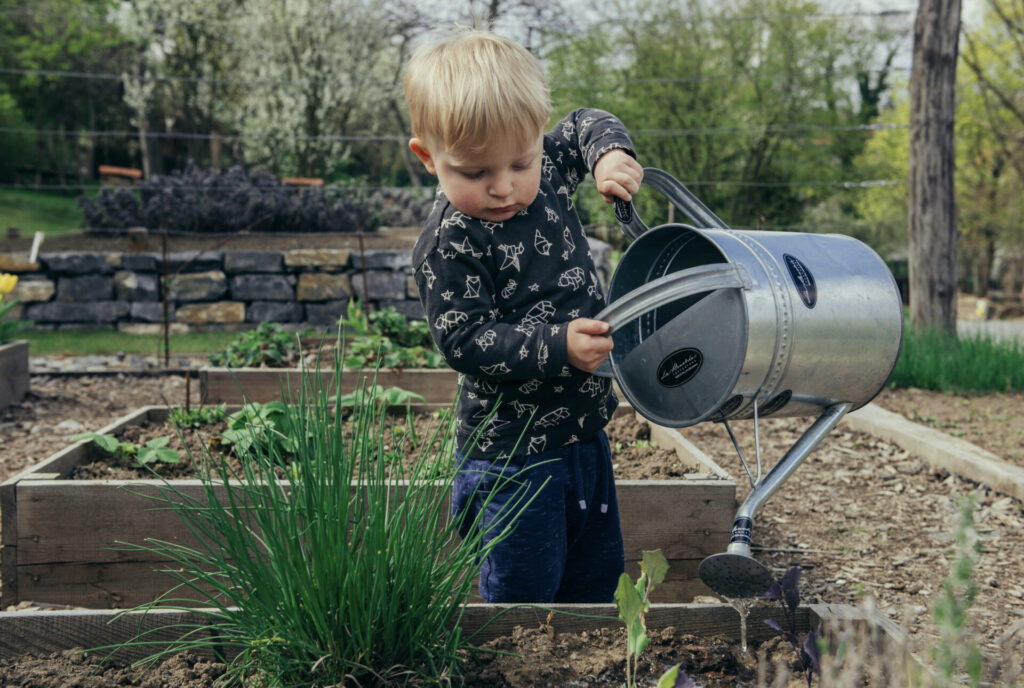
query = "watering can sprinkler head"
x=734 y=573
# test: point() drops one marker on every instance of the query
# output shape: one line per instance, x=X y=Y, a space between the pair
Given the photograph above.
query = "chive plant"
x=337 y=569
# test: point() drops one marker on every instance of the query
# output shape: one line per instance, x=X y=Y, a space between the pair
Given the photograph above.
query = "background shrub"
x=215 y=201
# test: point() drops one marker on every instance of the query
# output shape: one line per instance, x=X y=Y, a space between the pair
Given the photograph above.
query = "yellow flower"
x=7 y=282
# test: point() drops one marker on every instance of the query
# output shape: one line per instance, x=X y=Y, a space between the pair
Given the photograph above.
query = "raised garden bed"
x=234 y=385
x=552 y=646
x=59 y=535
x=13 y=372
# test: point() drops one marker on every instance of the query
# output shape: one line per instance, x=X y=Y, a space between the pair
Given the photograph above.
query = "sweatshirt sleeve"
x=458 y=295
x=578 y=142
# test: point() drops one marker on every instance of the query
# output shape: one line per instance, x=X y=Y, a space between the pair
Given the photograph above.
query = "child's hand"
x=586 y=343
x=618 y=175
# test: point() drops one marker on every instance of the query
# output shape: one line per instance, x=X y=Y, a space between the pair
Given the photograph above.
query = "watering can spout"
x=735 y=573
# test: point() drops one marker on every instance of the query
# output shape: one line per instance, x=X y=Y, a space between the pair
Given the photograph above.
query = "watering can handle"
x=671 y=287
x=676 y=193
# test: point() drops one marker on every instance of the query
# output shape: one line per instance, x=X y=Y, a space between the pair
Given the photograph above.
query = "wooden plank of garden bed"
x=49 y=631
x=70 y=529
x=73 y=558
x=128 y=584
x=118 y=585
x=43 y=632
x=80 y=521
x=234 y=385
x=683 y=518
x=14 y=375
x=939 y=449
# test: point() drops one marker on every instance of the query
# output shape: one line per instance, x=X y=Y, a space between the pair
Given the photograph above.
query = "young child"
x=507 y=282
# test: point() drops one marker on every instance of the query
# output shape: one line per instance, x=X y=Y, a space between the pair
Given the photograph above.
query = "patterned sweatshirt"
x=499 y=296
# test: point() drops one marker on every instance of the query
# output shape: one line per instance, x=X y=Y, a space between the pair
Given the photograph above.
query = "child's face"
x=493 y=185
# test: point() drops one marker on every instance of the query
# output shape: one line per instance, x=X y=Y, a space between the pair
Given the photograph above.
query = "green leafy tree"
x=988 y=183
x=183 y=78
x=760 y=97
x=993 y=75
x=71 y=36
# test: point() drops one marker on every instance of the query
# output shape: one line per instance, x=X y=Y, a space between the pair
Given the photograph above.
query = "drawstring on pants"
x=577 y=469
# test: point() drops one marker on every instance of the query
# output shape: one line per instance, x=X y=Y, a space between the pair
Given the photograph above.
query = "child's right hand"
x=587 y=343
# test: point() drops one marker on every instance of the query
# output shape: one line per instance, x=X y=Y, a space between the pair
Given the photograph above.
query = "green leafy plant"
x=9 y=328
x=267 y=345
x=388 y=339
x=336 y=572
x=196 y=417
x=153 y=451
x=268 y=425
x=633 y=602
x=375 y=394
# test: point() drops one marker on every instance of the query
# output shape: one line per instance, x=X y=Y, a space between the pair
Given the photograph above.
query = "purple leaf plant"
x=787 y=591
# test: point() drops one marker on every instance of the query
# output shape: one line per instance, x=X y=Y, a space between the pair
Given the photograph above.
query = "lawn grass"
x=100 y=342
x=39 y=211
x=934 y=360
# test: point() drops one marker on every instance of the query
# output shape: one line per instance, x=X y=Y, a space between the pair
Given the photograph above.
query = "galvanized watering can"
x=711 y=323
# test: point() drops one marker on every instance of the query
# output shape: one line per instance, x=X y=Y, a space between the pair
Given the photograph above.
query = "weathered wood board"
x=235 y=385
x=60 y=537
x=14 y=376
x=40 y=632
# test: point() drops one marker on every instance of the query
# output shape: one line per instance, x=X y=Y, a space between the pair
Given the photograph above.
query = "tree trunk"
x=932 y=207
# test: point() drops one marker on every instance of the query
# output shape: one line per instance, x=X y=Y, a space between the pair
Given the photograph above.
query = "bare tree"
x=932 y=212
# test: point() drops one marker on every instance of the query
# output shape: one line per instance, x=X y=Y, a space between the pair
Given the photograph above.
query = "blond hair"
x=472 y=86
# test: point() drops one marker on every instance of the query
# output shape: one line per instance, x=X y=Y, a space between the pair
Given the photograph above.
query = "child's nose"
x=501 y=186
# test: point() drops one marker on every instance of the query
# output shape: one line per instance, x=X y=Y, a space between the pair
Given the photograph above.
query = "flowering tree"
x=321 y=71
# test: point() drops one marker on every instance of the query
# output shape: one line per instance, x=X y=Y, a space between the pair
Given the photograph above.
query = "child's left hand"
x=618 y=175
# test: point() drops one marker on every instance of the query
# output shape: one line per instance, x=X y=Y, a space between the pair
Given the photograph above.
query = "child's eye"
x=473 y=175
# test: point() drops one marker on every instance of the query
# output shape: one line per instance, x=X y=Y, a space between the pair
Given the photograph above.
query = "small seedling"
x=788 y=593
x=633 y=602
x=155 y=450
x=957 y=650
x=392 y=396
x=196 y=417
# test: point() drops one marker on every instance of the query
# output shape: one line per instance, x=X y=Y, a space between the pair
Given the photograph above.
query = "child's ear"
x=418 y=147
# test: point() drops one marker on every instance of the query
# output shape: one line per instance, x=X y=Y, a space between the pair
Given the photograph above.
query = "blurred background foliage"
x=782 y=114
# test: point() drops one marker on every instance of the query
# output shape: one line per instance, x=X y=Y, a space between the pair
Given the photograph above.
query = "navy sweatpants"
x=566 y=545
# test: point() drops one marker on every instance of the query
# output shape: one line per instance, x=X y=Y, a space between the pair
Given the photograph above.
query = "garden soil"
x=861 y=517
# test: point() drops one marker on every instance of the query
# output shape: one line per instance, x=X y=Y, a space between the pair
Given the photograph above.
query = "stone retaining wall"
x=215 y=290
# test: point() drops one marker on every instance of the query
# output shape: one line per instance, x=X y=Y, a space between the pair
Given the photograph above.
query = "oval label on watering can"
x=803 y=279
x=679 y=367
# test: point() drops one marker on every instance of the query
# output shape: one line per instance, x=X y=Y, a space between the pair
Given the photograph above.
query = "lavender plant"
x=210 y=200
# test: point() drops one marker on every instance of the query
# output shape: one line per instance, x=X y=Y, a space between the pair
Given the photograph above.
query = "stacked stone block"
x=208 y=291
x=215 y=290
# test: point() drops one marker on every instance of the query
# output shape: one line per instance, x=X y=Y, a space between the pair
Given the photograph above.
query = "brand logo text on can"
x=680 y=366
